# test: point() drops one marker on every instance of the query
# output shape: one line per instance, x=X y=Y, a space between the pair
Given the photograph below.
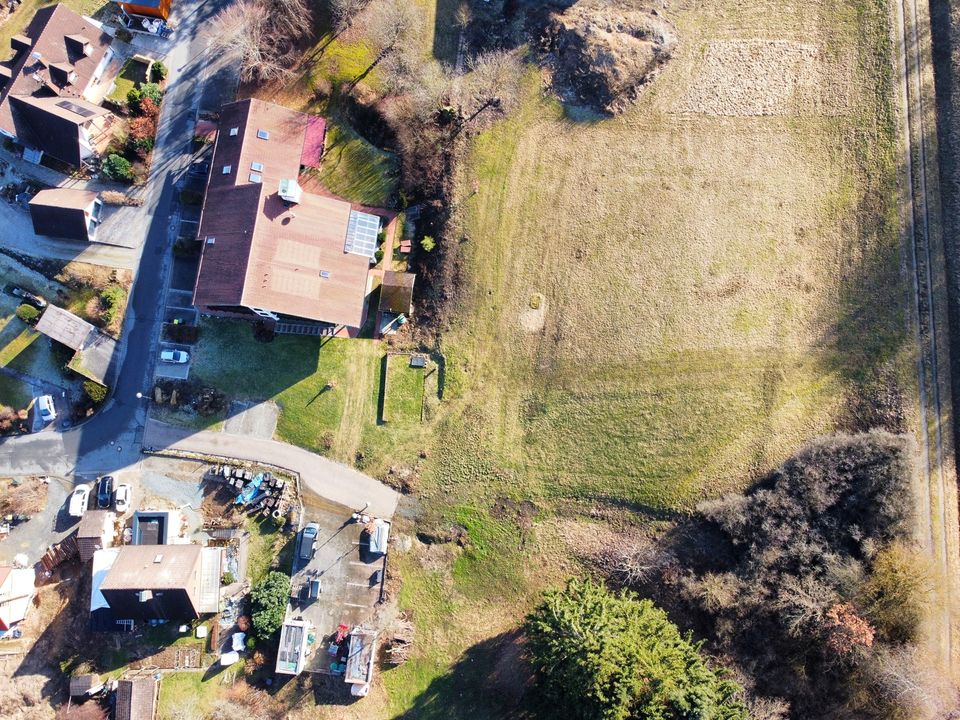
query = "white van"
x=78 y=501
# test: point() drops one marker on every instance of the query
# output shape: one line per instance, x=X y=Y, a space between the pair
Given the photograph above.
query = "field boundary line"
x=928 y=281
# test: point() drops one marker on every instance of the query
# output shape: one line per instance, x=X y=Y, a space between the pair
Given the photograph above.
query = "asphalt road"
x=109 y=440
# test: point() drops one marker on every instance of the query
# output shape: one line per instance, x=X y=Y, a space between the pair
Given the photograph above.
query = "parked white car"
x=78 y=501
x=122 y=498
x=48 y=412
x=174 y=356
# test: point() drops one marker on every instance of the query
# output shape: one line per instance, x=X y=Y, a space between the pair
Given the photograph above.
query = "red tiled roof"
x=267 y=253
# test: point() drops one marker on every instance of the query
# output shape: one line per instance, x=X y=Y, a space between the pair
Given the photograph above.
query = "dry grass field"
x=657 y=308
x=720 y=266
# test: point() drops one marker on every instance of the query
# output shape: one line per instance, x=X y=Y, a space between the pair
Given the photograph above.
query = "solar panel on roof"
x=362 y=233
x=74 y=108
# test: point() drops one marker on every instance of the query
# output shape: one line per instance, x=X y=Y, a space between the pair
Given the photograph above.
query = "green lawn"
x=328 y=391
x=702 y=318
x=269 y=548
x=15 y=338
x=403 y=390
x=189 y=695
x=133 y=74
x=356 y=170
x=13 y=393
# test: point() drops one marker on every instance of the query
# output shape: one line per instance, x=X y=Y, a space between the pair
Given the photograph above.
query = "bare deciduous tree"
x=904 y=679
x=633 y=562
x=343 y=12
x=390 y=22
x=261 y=35
x=493 y=82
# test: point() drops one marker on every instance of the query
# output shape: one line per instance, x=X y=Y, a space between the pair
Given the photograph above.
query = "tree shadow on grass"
x=490 y=680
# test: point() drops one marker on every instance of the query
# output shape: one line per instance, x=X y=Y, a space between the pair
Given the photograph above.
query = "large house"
x=45 y=89
x=270 y=249
x=138 y=583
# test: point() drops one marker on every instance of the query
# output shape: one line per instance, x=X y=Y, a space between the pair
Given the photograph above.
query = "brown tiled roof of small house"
x=396 y=292
x=82 y=684
x=261 y=251
x=65 y=327
x=51 y=64
x=61 y=212
x=137 y=698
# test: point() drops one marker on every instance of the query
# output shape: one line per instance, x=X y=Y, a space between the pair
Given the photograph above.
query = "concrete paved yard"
x=174 y=371
x=348 y=596
x=252 y=419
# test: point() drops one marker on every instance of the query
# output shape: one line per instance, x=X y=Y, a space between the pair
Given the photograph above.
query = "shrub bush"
x=133 y=98
x=95 y=391
x=228 y=578
x=149 y=109
x=428 y=243
x=111 y=301
x=151 y=90
x=378 y=255
x=899 y=591
x=28 y=313
x=268 y=604
x=116 y=167
x=158 y=72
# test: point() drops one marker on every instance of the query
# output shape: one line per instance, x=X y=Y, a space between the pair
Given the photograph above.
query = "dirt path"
x=924 y=240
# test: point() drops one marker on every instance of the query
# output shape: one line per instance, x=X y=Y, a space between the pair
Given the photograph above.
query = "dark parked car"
x=29 y=297
x=105 y=492
x=308 y=541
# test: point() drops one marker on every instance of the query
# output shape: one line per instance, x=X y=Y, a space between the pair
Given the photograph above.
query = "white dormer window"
x=234 y=131
x=263 y=134
x=256 y=177
x=256 y=167
x=227 y=169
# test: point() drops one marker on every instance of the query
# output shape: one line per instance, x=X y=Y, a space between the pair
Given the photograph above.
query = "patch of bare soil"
x=742 y=78
x=607 y=51
x=25 y=498
x=534 y=317
x=218 y=507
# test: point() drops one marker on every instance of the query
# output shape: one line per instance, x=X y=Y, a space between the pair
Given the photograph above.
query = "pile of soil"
x=606 y=51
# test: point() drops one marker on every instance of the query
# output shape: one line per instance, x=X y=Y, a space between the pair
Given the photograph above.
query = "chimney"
x=62 y=74
x=79 y=45
x=19 y=43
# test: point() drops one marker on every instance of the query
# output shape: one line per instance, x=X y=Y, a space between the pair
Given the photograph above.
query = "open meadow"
x=657 y=309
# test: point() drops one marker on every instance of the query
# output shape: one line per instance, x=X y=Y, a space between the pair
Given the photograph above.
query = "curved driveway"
x=331 y=480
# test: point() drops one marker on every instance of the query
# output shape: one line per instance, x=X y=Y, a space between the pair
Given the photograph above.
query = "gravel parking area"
x=348 y=594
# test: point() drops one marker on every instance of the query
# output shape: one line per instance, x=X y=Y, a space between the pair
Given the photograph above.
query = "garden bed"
x=402 y=390
x=132 y=75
